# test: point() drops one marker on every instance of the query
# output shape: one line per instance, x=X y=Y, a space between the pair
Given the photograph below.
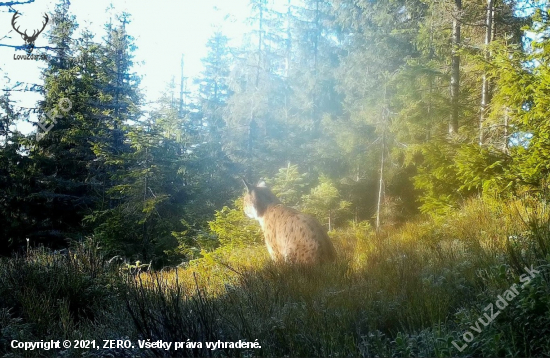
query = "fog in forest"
x=275 y=178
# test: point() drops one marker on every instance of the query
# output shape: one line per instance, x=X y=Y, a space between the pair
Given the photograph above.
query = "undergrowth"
x=411 y=291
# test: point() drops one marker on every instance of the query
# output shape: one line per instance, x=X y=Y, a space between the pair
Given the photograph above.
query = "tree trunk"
x=506 y=119
x=315 y=99
x=381 y=183
x=144 y=225
x=485 y=82
x=455 y=69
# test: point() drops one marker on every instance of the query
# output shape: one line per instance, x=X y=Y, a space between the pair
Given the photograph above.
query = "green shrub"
x=233 y=228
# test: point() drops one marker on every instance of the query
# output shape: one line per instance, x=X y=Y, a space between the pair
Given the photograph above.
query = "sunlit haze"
x=163 y=31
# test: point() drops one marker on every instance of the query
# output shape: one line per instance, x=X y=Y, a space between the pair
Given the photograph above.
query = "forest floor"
x=475 y=282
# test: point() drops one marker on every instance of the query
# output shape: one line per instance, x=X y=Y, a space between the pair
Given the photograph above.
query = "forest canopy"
x=371 y=112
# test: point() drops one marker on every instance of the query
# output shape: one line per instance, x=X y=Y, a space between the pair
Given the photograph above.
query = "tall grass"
x=70 y=295
x=407 y=292
x=410 y=291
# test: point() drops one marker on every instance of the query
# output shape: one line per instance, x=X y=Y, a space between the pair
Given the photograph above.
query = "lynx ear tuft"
x=261 y=184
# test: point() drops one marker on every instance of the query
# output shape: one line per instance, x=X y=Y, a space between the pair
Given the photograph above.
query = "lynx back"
x=290 y=236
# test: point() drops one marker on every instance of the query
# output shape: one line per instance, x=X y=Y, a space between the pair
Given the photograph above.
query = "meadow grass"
x=408 y=291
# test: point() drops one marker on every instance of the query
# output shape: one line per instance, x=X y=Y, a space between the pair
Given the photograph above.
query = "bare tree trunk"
x=485 y=82
x=506 y=119
x=385 y=118
x=315 y=97
x=145 y=240
x=431 y=81
x=381 y=183
x=455 y=69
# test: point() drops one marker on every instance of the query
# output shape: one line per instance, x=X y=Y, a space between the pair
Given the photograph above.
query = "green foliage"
x=437 y=178
x=288 y=184
x=60 y=189
x=450 y=173
x=233 y=228
x=522 y=98
x=16 y=179
x=325 y=202
x=482 y=169
x=332 y=87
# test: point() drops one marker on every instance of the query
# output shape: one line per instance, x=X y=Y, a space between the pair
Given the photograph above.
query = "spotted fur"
x=290 y=236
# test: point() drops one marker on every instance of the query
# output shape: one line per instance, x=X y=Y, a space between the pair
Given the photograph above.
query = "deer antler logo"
x=29 y=40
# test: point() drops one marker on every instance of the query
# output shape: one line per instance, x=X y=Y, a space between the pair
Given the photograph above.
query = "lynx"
x=290 y=236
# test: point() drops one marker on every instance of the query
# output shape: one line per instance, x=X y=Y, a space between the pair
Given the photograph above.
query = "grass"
x=410 y=291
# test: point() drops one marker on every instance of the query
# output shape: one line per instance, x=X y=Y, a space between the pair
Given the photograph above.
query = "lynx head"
x=257 y=199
